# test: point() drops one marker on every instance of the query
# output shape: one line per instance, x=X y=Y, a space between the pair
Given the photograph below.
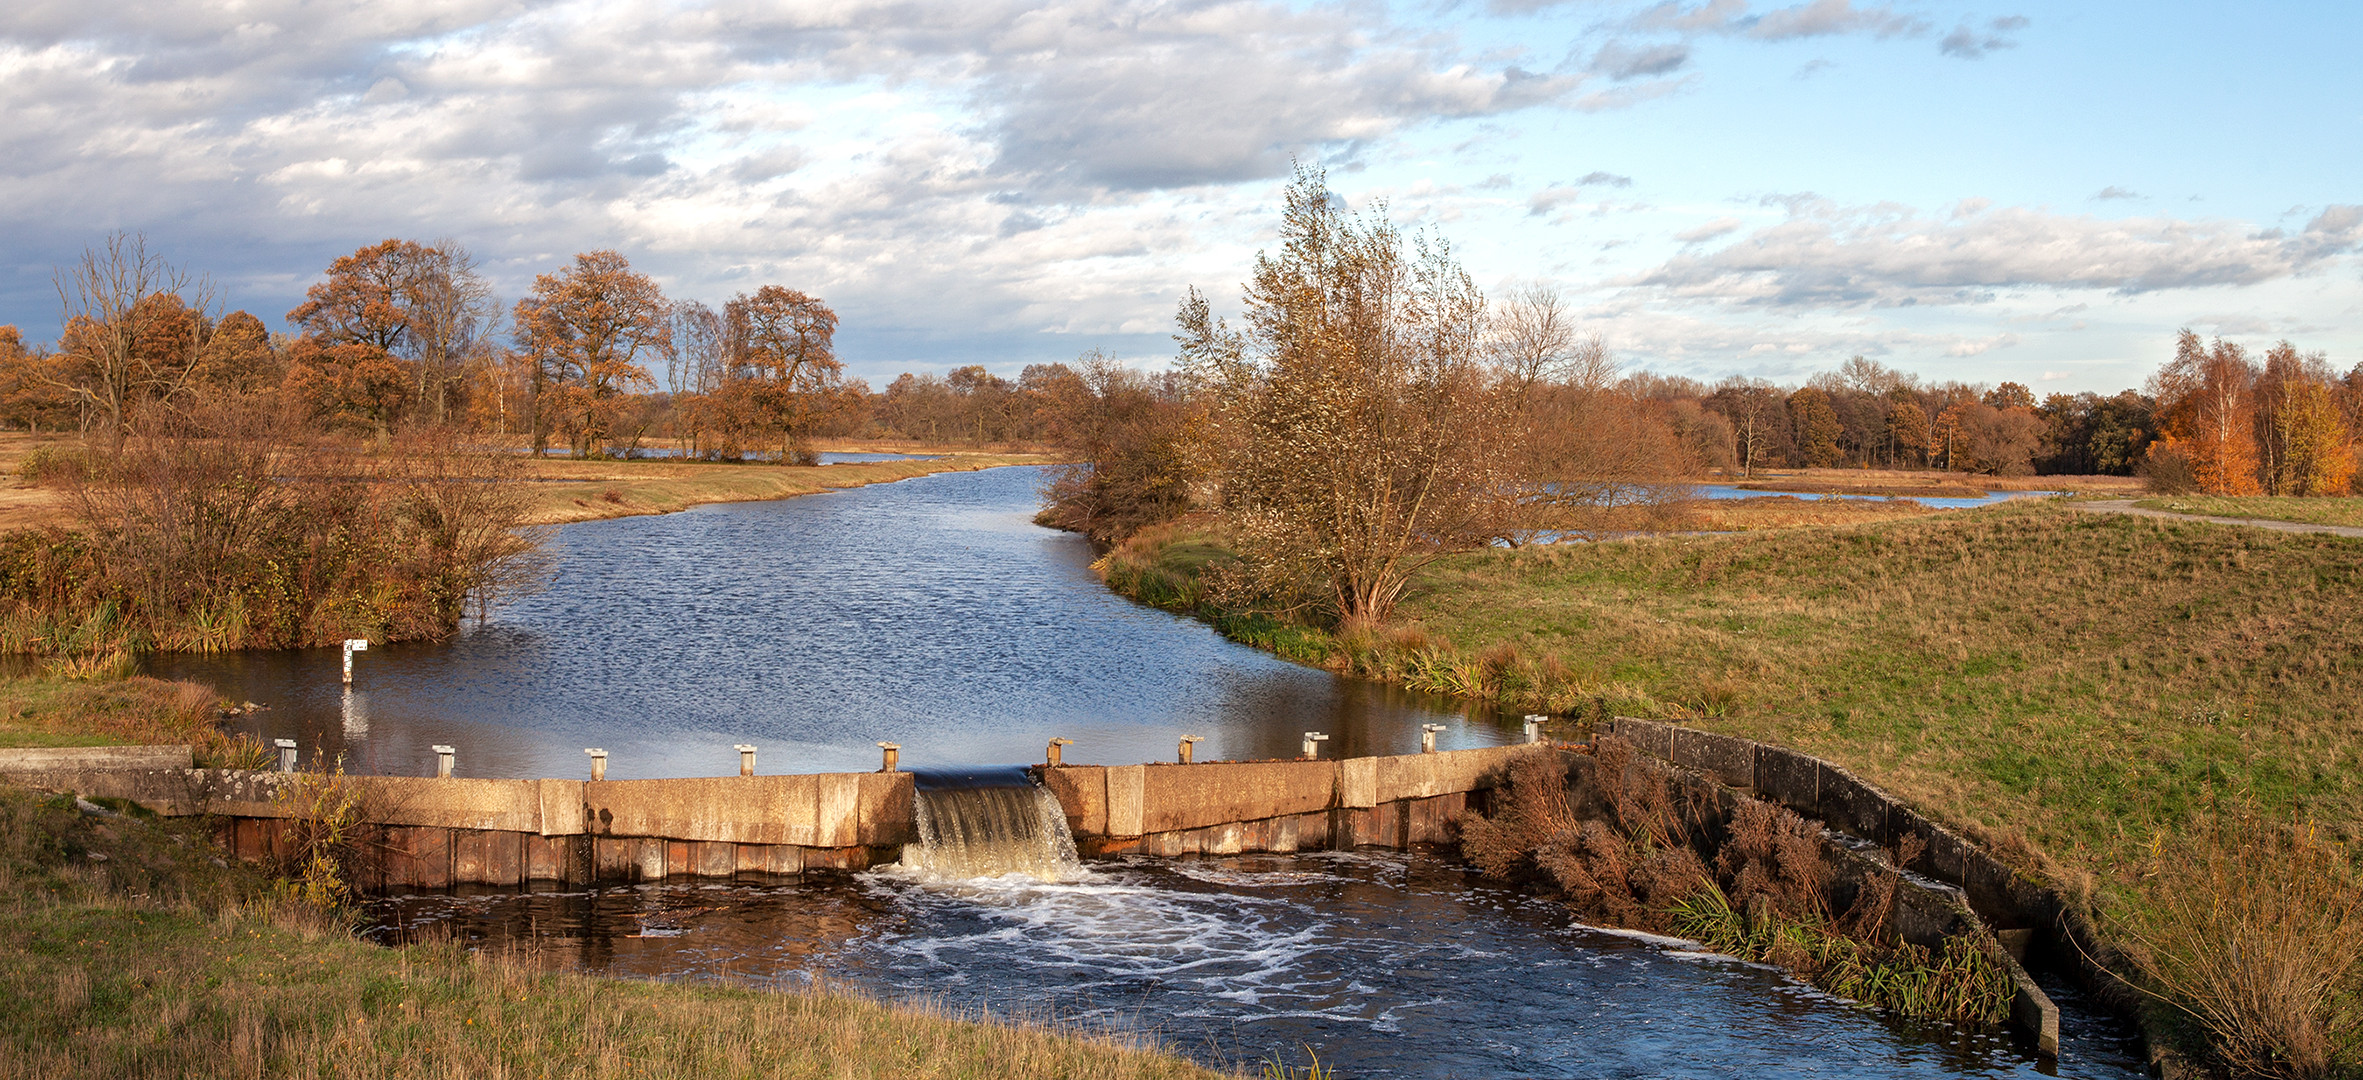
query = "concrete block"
x=678 y=860
x=1357 y=782
x=1082 y=790
x=1852 y=806
x=1647 y=736
x=1228 y=839
x=839 y=810
x=1176 y=797
x=560 y=804
x=1285 y=835
x=713 y=859
x=1128 y=799
x=1728 y=759
x=1789 y=778
x=454 y=803
x=886 y=810
x=648 y=858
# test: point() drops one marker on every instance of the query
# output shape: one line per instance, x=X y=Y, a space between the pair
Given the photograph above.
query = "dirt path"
x=2125 y=506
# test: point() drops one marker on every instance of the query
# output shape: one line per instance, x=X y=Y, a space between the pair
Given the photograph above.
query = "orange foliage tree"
x=783 y=369
x=2207 y=407
x=588 y=332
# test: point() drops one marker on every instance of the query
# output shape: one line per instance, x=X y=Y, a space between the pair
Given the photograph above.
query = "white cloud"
x=1826 y=255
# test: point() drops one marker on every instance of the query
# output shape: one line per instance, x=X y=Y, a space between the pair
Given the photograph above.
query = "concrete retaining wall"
x=1990 y=898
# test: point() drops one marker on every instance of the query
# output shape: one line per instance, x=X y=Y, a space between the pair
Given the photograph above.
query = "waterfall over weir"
x=986 y=823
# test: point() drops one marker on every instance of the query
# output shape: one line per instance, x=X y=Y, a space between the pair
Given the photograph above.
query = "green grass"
x=156 y=963
x=2346 y=511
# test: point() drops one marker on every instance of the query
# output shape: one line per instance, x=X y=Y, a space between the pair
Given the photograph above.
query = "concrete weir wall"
x=438 y=833
x=1230 y=807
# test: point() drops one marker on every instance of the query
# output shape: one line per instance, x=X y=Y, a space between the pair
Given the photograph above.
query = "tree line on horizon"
x=402 y=333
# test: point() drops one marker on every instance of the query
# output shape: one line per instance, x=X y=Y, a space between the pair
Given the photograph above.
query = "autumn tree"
x=1816 y=425
x=589 y=332
x=1130 y=432
x=2010 y=395
x=1759 y=421
x=31 y=392
x=2206 y=402
x=391 y=331
x=1356 y=430
x=1907 y=431
x=782 y=363
x=2303 y=440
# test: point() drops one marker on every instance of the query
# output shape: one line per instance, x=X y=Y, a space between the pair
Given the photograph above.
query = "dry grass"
x=1790 y=512
x=2346 y=511
x=188 y=970
x=58 y=710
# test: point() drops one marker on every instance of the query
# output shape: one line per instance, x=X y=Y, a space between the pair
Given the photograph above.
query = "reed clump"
x=1640 y=860
x=2252 y=928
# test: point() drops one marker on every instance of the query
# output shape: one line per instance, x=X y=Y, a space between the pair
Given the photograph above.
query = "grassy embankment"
x=154 y=962
x=2074 y=681
x=2347 y=512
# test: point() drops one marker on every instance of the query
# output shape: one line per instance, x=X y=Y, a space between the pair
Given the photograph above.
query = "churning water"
x=1386 y=965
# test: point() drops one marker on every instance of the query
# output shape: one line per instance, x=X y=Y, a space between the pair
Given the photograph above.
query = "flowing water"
x=934 y=614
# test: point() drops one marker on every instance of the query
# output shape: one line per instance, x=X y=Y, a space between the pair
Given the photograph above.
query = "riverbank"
x=129 y=952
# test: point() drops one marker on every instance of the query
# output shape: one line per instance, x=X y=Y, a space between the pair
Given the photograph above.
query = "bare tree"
x=453 y=317
x=112 y=319
x=1534 y=341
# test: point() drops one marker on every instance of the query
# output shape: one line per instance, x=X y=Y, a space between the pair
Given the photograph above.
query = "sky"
x=2042 y=193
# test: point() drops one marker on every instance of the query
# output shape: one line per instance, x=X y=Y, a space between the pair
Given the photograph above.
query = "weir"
x=986 y=823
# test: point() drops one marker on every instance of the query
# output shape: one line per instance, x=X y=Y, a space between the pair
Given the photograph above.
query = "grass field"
x=153 y=962
x=2058 y=683
x=2347 y=512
